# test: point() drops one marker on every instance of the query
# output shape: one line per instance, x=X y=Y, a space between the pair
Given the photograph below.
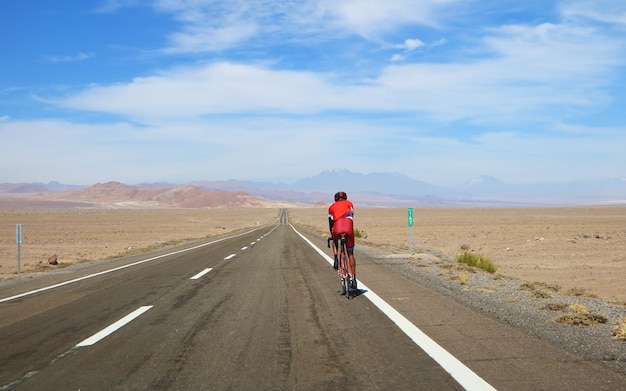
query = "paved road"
x=261 y=310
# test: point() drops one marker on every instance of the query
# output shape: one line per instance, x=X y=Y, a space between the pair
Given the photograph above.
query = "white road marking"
x=462 y=374
x=122 y=267
x=114 y=327
x=230 y=257
x=202 y=273
x=244 y=248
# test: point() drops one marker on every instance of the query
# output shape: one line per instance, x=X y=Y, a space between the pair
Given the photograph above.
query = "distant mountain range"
x=375 y=189
x=394 y=189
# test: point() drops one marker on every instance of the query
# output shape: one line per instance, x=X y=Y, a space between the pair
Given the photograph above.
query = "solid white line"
x=114 y=327
x=462 y=374
x=230 y=257
x=202 y=273
x=122 y=267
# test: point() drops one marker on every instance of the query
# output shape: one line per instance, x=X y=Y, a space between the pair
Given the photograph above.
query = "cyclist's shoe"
x=353 y=283
x=336 y=264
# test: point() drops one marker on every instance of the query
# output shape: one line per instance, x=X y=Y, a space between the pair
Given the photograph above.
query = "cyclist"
x=340 y=221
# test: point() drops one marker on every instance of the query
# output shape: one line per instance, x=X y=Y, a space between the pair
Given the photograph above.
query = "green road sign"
x=410 y=217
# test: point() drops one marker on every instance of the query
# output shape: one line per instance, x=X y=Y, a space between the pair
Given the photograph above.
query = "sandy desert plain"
x=579 y=249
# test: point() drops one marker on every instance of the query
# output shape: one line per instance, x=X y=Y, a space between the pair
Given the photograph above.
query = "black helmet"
x=341 y=196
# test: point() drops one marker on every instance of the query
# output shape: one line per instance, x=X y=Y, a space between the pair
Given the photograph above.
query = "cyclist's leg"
x=335 y=246
x=351 y=259
x=335 y=251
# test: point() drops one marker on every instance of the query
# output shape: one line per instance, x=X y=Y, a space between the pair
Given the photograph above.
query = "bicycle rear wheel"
x=346 y=283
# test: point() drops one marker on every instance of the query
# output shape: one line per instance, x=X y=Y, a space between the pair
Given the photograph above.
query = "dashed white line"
x=202 y=273
x=244 y=248
x=229 y=257
x=121 y=267
x=114 y=327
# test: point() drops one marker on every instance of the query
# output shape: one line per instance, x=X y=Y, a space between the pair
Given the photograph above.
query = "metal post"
x=410 y=223
x=411 y=240
x=18 y=239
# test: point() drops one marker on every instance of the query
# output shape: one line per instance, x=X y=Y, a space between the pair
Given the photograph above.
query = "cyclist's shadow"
x=354 y=293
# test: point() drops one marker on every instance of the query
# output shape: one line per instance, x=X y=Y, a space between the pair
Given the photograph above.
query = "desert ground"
x=579 y=249
x=582 y=250
x=87 y=235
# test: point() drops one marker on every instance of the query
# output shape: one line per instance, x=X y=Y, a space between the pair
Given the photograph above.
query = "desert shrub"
x=357 y=233
x=578 y=308
x=477 y=261
x=537 y=294
x=554 y=307
x=619 y=331
x=580 y=316
x=576 y=292
x=531 y=286
x=580 y=319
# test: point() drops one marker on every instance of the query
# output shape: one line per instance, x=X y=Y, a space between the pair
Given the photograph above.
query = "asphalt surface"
x=262 y=310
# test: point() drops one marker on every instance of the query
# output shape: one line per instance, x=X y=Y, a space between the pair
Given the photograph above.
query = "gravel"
x=530 y=306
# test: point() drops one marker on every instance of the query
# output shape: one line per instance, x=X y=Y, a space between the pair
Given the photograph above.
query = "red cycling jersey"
x=341 y=212
x=341 y=209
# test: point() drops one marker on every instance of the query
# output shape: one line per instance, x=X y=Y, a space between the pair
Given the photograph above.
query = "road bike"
x=346 y=274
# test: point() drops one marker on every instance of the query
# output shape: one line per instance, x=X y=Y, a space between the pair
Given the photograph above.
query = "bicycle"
x=346 y=274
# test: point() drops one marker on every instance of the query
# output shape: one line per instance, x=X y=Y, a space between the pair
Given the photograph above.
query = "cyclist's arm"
x=331 y=222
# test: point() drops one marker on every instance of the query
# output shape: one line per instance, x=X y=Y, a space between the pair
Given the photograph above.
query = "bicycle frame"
x=345 y=271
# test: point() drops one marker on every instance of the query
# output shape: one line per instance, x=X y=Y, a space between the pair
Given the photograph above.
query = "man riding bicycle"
x=340 y=221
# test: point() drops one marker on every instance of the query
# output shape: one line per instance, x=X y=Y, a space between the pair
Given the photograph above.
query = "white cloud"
x=215 y=25
x=408 y=46
x=202 y=149
x=213 y=89
x=412 y=44
x=374 y=18
x=516 y=71
x=202 y=39
x=607 y=11
x=199 y=149
x=65 y=58
x=526 y=69
x=439 y=42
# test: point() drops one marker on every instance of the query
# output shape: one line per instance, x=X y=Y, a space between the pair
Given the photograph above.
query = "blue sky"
x=439 y=90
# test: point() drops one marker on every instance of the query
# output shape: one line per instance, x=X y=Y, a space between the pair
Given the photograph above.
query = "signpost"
x=410 y=221
x=18 y=240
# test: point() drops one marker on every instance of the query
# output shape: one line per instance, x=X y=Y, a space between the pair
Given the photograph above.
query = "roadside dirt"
x=85 y=235
x=580 y=250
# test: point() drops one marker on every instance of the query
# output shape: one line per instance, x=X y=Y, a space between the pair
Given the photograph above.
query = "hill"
x=118 y=195
x=375 y=189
